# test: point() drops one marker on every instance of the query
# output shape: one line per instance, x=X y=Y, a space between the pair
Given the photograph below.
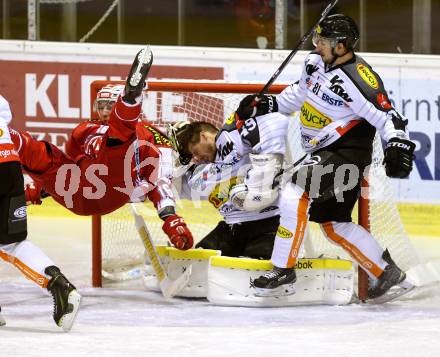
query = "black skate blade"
x=396 y=291
x=283 y=290
x=144 y=58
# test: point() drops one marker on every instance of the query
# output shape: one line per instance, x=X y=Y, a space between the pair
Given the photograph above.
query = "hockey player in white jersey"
x=14 y=247
x=342 y=102
x=238 y=170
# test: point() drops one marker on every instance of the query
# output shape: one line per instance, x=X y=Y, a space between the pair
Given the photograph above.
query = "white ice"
x=134 y=322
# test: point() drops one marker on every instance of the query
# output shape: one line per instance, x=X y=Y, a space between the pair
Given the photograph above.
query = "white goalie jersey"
x=237 y=148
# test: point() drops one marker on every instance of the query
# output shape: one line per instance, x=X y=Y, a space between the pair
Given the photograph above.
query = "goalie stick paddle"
x=168 y=287
x=298 y=46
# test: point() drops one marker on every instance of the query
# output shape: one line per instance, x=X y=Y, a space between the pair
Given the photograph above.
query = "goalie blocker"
x=225 y=280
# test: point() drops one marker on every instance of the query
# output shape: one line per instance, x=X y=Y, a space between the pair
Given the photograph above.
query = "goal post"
x=167 y=102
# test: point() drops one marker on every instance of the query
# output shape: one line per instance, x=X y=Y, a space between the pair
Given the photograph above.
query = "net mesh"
x=122 y=248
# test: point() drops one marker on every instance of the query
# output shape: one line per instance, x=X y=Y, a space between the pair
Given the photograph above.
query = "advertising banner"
x=48 y=87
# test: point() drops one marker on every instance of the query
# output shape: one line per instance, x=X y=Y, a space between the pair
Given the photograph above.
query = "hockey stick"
x=168 y=287
x=298 y=46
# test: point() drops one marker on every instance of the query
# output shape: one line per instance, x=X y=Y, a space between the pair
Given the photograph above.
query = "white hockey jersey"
x=265 y=134
x=333 y=101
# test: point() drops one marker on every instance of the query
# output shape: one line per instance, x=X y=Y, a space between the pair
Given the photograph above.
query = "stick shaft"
x=298 y=46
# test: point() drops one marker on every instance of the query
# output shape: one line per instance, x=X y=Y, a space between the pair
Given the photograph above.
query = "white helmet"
x=107 y=96
x=109 y=93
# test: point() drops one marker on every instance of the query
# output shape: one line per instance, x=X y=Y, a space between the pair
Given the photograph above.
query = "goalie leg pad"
x=319 y=281
x=177 y=261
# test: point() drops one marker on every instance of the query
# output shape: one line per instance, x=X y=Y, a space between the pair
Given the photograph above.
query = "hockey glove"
x=32 y=194
x=255 y=105
x=398 y=157
x=178 y=232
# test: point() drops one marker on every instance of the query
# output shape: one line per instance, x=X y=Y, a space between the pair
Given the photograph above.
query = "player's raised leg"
x=138 y=72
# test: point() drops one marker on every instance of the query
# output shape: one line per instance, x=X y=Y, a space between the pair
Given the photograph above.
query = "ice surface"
x=134 y=322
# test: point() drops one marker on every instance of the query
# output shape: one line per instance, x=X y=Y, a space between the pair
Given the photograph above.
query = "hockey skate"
x=136 y=78
x=277 y=282
x=2 y=320
x=391 y=283
x=65 y=297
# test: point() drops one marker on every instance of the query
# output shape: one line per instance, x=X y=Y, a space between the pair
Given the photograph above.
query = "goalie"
x=110 y=161
x=238 y=169
x=342 y=103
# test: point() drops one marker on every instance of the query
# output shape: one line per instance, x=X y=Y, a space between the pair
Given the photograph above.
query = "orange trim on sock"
x=355 y=253
x=25 y=270
x=300 y=230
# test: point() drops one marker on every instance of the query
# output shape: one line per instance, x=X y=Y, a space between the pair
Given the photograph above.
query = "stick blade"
x=171 y=288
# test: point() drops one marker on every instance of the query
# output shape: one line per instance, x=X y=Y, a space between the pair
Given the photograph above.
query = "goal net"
x=116 y=245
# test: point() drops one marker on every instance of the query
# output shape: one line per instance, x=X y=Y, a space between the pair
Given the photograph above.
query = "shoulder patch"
x=367 y=82
x=367 y=75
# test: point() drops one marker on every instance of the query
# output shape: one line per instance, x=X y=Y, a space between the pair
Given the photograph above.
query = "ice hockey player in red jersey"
x=14 y=247
x=110 y=161
x=342 y=102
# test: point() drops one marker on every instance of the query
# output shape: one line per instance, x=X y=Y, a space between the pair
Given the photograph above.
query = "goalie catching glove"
x=398 y=157
x=256 y=105
x=178 y=232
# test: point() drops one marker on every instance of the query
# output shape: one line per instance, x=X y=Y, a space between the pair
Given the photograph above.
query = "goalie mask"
x=105 y=99
x=174 y=132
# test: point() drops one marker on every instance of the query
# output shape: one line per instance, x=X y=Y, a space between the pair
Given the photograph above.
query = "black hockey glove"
x=399 y=156
x=254 y=105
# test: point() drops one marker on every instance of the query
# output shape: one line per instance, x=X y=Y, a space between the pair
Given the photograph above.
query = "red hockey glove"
x=178 y=232
x=32 y=194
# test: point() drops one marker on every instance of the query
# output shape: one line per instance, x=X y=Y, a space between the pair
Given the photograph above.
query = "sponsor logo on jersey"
x=4 y=154
x=20 y=212
x=220 y=193
x=225 y=150
x=284 y=232
x=367 y=76
x=231 y=119
x=158 y=137
x=332 y=101
x=337 y=88
x=1 y=133
x=383 y=101
x=312 y=117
